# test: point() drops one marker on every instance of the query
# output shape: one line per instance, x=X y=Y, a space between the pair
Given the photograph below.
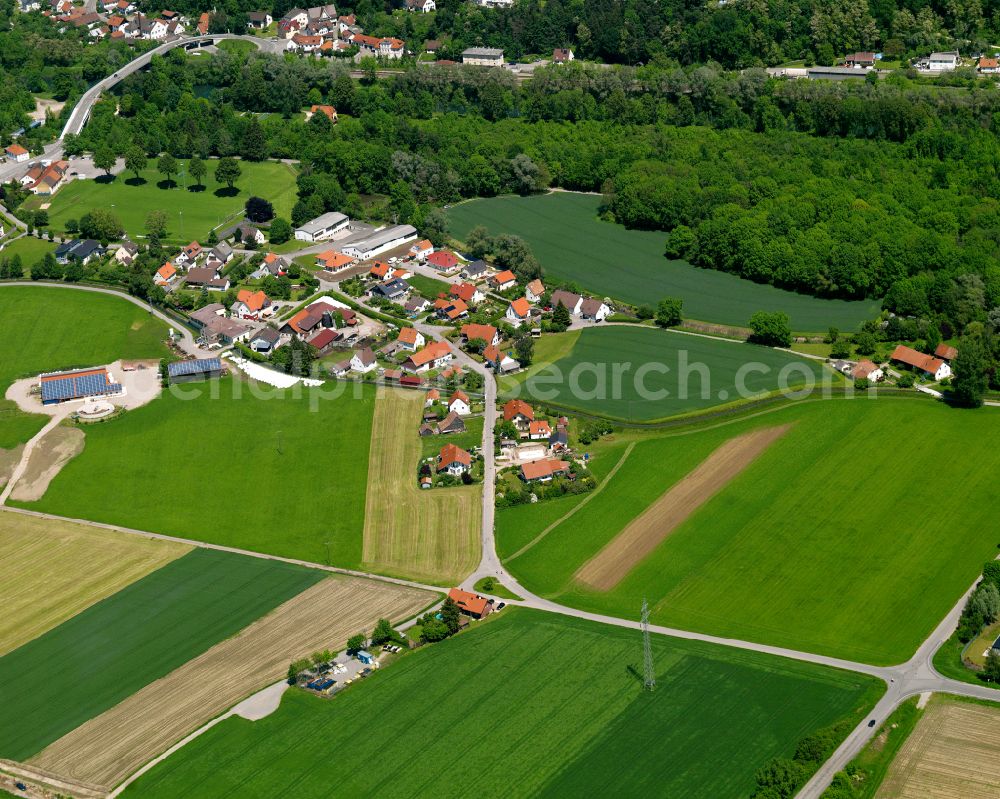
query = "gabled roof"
x=926 y=363
x=167 y=271
x=484 y=332
x=458 y=394
x=516 y=407
x=506 y=276
x=254 y=300
x=464 y=291
x=521 y=307
x=946 y=352
x=539 y=427
x=452 y=454
x=324 y=338
x=365 y=356
x=433 y=351
x=471 y=603
x=863 y=369
x=590 y=306
x=408 y=335
x=536 y=287
x=544 y=468
x=567 y=298
x=332 y=259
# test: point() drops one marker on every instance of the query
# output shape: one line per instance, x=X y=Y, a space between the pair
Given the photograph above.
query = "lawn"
x=45 y=329
x=190 y=213
x=472 y=437
x=573 y=244
x=661 y=373
x=99 y=657
x=64 y=567
x=30 y=249
x=268 y=471
x=526 y=705
x=834 y=509
x=428 y=287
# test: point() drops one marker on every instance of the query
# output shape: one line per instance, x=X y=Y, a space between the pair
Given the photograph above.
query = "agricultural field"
x=62 y=568
x=643 y=374
x=141 y=633
x=953 y=753
x=594 y=717
x=427 y=535
x=761 y=558
x=104 y=327
x=277 y=471
x=106 y=749
x=573 y=244
x=190 y=213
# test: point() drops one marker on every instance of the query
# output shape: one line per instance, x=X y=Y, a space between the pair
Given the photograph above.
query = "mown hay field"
x=838 y=507
x=92 y=661
x=573 y=244
x=55 y=569
x=106 y=749
x=954 y=753
x=526 y=704
x=430 y=535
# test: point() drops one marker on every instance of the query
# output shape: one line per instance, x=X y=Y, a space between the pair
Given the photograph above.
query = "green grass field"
x=45 y=329
x=107 y=652
x=584 y=379
x=265 y=474
x=428 y=286
x=833 y=541
x=472 y=437
x=190 y=214
x=30 y=249
x=573 y=244
x=526 y=705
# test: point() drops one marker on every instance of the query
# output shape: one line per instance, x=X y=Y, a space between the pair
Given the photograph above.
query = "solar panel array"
x=72 y=386
x=194 y=367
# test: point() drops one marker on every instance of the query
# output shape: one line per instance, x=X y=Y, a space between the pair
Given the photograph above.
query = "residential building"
x=988 y=66
x=249 y=233
x=220 y=255
x=259 y=20
x=81 y=250
x=477 y=270
x=189 y=254
x=942 y=62
x=486 y=333
x=380 y=241
x=251 y=305
x=205 y=277
x=442 y=260
x=570 y=300
x=860 y=60
x=483 y=57
x=422 y=6
x=206 y=314
x=434 y=356
x=304 y=43
x=45 y=179
x=544 y=470
x=422 y=249
x=466 y=292
x=334 y=262
x=518 y=312
x=265 y=340
x=454 y=460
x=126 y=253
x=479 y=607
x=538 y=430
x=503 y=280
x=328 y=110
x=459 y=403
x=928 y=364
x=273 y=265
x=165 y=275
x=363 y=361
x=562 y=55
x=410 y=339
x=395 y=290
x=451 y=309
x=519 y=412
x=866 y=370
x=416 y=305
x=534 y=290
x=594 y=310
x=380 y=270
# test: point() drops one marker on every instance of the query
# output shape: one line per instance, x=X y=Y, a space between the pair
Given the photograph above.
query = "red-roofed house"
x=503 y=280
x=467 y=293
x=334 y=262
x=203 y=24
x=251 y=305
x=988 y=65
x=519 y=412
x=410 y=338
x=458 y=403
x=433 y=356
x=928 y=364
x=15 y=152
x=486 y=333
x=539 y=429
x=380 y=271
x=329 y=110
x=189 y=254
x=442 y=259
x=543 y=471
x=422 y=249
x=479 y=607
x=165 y=275
x=866 y=370
x=518 y=311
x=454 y=460
x=534 y=290
x=946 y=352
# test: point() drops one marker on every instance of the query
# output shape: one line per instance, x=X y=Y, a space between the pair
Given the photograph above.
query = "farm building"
x=946 y=352
x=80 y=384
x=195 y=369
x=479 y=607
x=928 y=364
x=322 y=227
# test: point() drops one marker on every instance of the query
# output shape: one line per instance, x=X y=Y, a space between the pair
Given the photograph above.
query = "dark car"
x=871 y=723
x=501 y=606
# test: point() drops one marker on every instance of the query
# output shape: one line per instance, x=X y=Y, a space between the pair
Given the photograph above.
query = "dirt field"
x=55 y=569
x=108 y=748
x=647 y=531
x=9 y=458
x=54 y=451
x=954 y=753
x=427 y=535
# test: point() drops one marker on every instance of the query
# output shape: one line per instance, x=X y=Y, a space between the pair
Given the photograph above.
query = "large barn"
x=66 y=386
x=197 y=369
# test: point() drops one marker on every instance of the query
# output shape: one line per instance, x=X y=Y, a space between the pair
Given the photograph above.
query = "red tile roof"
x=539 y=427
x=442 y=259
x=471 y=603
x=946 y=352
x=926 y=363
x=254 y=300
x=521 y=307
x=408 y=335
x=433 y=351
x=515 y=407
x=503 y=277
x=464 y=291
x=545 y=468
x=453 y=454
x=483 y=332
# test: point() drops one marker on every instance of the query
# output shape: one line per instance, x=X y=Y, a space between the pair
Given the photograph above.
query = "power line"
x=648 y=673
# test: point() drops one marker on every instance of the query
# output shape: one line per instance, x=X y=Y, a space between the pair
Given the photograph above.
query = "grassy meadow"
x=654 y=362
x=527 y=704
x=191 y=212
x=44 y=329
x=30 y=249
x=573 y=244
x=99 y=657
x=868 y=501
x=263 y=472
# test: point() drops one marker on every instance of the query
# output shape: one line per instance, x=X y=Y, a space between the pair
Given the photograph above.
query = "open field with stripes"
x=105 y=653
x=267 y=471
x=430 y=535
x=46 y=329
x=527 y=704
x=870 y=502
x=57 y=569
x=573 y=244
x=109 y=747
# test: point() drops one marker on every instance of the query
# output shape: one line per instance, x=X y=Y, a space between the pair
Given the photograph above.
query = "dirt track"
x=9 y=458
x=51 y=453
x=106 y=749
x=626 y=550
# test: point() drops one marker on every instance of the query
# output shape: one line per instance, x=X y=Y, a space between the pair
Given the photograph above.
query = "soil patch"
x=9 y=458
x=50 y=454
x=647 y=531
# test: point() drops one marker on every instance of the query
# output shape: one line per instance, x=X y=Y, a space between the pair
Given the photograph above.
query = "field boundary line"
x=575 y=508
x=436 y=589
